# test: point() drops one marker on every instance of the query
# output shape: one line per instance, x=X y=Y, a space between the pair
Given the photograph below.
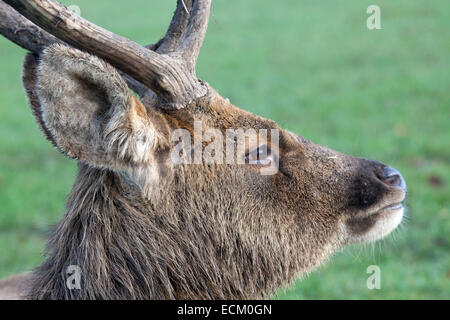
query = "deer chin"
x=377 y=224
x=388 y=219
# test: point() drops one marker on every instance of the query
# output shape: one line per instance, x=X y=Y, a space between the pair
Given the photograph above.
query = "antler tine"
x=29 y=36
x=192 y=39
x=22 y=32
x=176 y=29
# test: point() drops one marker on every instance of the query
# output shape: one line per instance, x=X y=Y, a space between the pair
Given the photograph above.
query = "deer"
x=139 y=226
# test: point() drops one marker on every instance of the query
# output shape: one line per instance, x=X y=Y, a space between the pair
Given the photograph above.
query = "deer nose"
x=392 y=177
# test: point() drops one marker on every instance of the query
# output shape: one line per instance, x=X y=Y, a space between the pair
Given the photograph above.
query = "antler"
x=176 y=28
x=169 y=72
x=29 y=36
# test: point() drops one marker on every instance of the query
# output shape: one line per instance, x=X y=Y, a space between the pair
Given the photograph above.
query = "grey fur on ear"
x=89 y=110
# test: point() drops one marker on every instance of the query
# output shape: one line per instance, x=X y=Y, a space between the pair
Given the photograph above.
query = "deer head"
x=140 y=223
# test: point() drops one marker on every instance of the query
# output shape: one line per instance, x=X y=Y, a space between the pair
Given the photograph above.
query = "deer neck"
x=125 y=249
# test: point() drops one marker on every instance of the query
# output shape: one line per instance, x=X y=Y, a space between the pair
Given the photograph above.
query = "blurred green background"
x=315 y=68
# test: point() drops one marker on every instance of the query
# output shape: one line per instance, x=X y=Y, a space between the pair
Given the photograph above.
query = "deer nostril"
x=394 y=178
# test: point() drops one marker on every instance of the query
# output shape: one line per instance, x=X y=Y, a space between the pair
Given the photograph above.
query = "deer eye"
x=260 y=156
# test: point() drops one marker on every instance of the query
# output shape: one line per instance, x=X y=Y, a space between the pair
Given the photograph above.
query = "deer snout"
x=378 y=202
x=393 y=178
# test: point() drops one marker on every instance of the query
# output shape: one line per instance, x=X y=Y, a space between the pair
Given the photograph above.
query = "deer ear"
x=29 y=79
x=89 y=111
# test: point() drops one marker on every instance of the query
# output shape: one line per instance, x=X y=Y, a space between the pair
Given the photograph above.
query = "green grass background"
x=315 y=68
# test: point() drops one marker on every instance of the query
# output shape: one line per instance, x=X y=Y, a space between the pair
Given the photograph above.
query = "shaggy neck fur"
x=127 y=250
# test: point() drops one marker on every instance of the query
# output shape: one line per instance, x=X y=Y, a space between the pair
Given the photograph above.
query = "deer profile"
x=140 y=226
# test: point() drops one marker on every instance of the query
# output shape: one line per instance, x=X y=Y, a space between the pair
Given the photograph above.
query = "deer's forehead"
x=221 y=115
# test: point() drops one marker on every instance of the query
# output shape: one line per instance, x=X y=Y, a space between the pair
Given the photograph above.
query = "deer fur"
x=141 y=228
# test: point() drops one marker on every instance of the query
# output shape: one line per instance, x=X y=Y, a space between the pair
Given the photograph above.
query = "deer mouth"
x=394 y=208
x=378 y=222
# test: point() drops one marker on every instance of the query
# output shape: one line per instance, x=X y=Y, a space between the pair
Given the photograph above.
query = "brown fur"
x=13 y=288
x=140 y=227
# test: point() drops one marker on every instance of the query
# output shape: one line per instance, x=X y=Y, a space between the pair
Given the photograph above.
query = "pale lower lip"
x=391 y=209
x=395 y=207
